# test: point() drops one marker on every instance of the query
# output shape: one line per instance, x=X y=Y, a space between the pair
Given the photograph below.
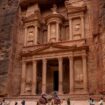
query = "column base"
x=71 y=93
x=22 y=94
x=82 y=93
x=60 y=93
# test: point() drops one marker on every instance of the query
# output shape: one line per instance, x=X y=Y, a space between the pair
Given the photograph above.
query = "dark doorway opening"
x=55 y=81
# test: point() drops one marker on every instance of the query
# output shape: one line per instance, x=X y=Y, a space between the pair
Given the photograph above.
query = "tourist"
x=16 y=103
x=56 y=100
x=101 y=102
x=91 y=101
x=3 y=102
x=23 y=102
x=43 y=99
x=0 y=102
x=68 y=101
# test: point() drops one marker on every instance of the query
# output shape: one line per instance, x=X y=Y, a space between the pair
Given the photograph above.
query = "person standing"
x=16 y=103
x=68 y=101
x=101 y=102
x=91 y=101
x=23 y=102
x=43 y=100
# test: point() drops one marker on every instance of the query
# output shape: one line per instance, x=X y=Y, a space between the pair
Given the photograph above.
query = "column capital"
x=82 y=16
x=34 y=60
x=84 y=55
x=60 y=58
x=71 y=56
x=44 y=60
x=23 y=61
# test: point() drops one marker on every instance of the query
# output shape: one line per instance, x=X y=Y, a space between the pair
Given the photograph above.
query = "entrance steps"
x=33 y=100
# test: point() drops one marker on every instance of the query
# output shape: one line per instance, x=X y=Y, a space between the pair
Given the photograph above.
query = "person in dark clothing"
x=43 y=100
x=16 y=103
x=23 y=102
x=68 y=101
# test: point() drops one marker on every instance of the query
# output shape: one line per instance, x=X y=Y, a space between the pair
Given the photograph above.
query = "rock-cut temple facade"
x=52 y=45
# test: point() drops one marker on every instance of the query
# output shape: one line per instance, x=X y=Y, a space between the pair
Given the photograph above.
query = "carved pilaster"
x=60 y=62
x=83 y=26
x=23 y=77
x=71 y=75
x=44 y=73
x=34 y=81
x=85 y=73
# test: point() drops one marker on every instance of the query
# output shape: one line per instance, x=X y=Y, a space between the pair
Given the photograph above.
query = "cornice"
x=33 y=17
x=61 y=48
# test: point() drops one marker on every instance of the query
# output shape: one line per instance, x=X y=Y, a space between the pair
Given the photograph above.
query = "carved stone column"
x=57 y=32
x=25 y=37
x=60 y=62
x=71 y=71
x=70 y=29
x=23 y=77
x=34 y=83
x=36 y=35
x=85 y=72
x=48 y=35
x=83 y=27
x=44 y=73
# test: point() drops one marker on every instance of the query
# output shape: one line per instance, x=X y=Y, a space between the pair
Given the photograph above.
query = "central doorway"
x=55 y=81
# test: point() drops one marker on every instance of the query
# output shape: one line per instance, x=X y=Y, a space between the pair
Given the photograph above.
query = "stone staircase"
x=33 y=100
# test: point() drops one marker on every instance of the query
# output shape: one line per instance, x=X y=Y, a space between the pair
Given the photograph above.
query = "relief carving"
x=53 y=32
x=54 y=9
x=78 y=73
x=30 y=35
x=77 y=28
x=28 y=87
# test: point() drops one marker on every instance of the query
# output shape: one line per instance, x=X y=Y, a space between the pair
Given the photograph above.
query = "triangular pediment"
x=51 y=49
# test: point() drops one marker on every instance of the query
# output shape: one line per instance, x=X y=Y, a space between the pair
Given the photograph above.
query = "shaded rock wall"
x=7 y=16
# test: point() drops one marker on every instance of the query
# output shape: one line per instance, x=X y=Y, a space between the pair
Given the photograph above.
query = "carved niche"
x=53 y=32
x=28 y=83
x=76 y=26
x=30 y=35
x=78 y=73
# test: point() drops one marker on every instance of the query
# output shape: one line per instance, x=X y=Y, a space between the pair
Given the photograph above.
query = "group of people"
x=92 y=101
x=3 y=102
x=54 y=100
x=44 y=99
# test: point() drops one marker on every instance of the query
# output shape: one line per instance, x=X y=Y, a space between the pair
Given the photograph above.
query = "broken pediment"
x=75 y=6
